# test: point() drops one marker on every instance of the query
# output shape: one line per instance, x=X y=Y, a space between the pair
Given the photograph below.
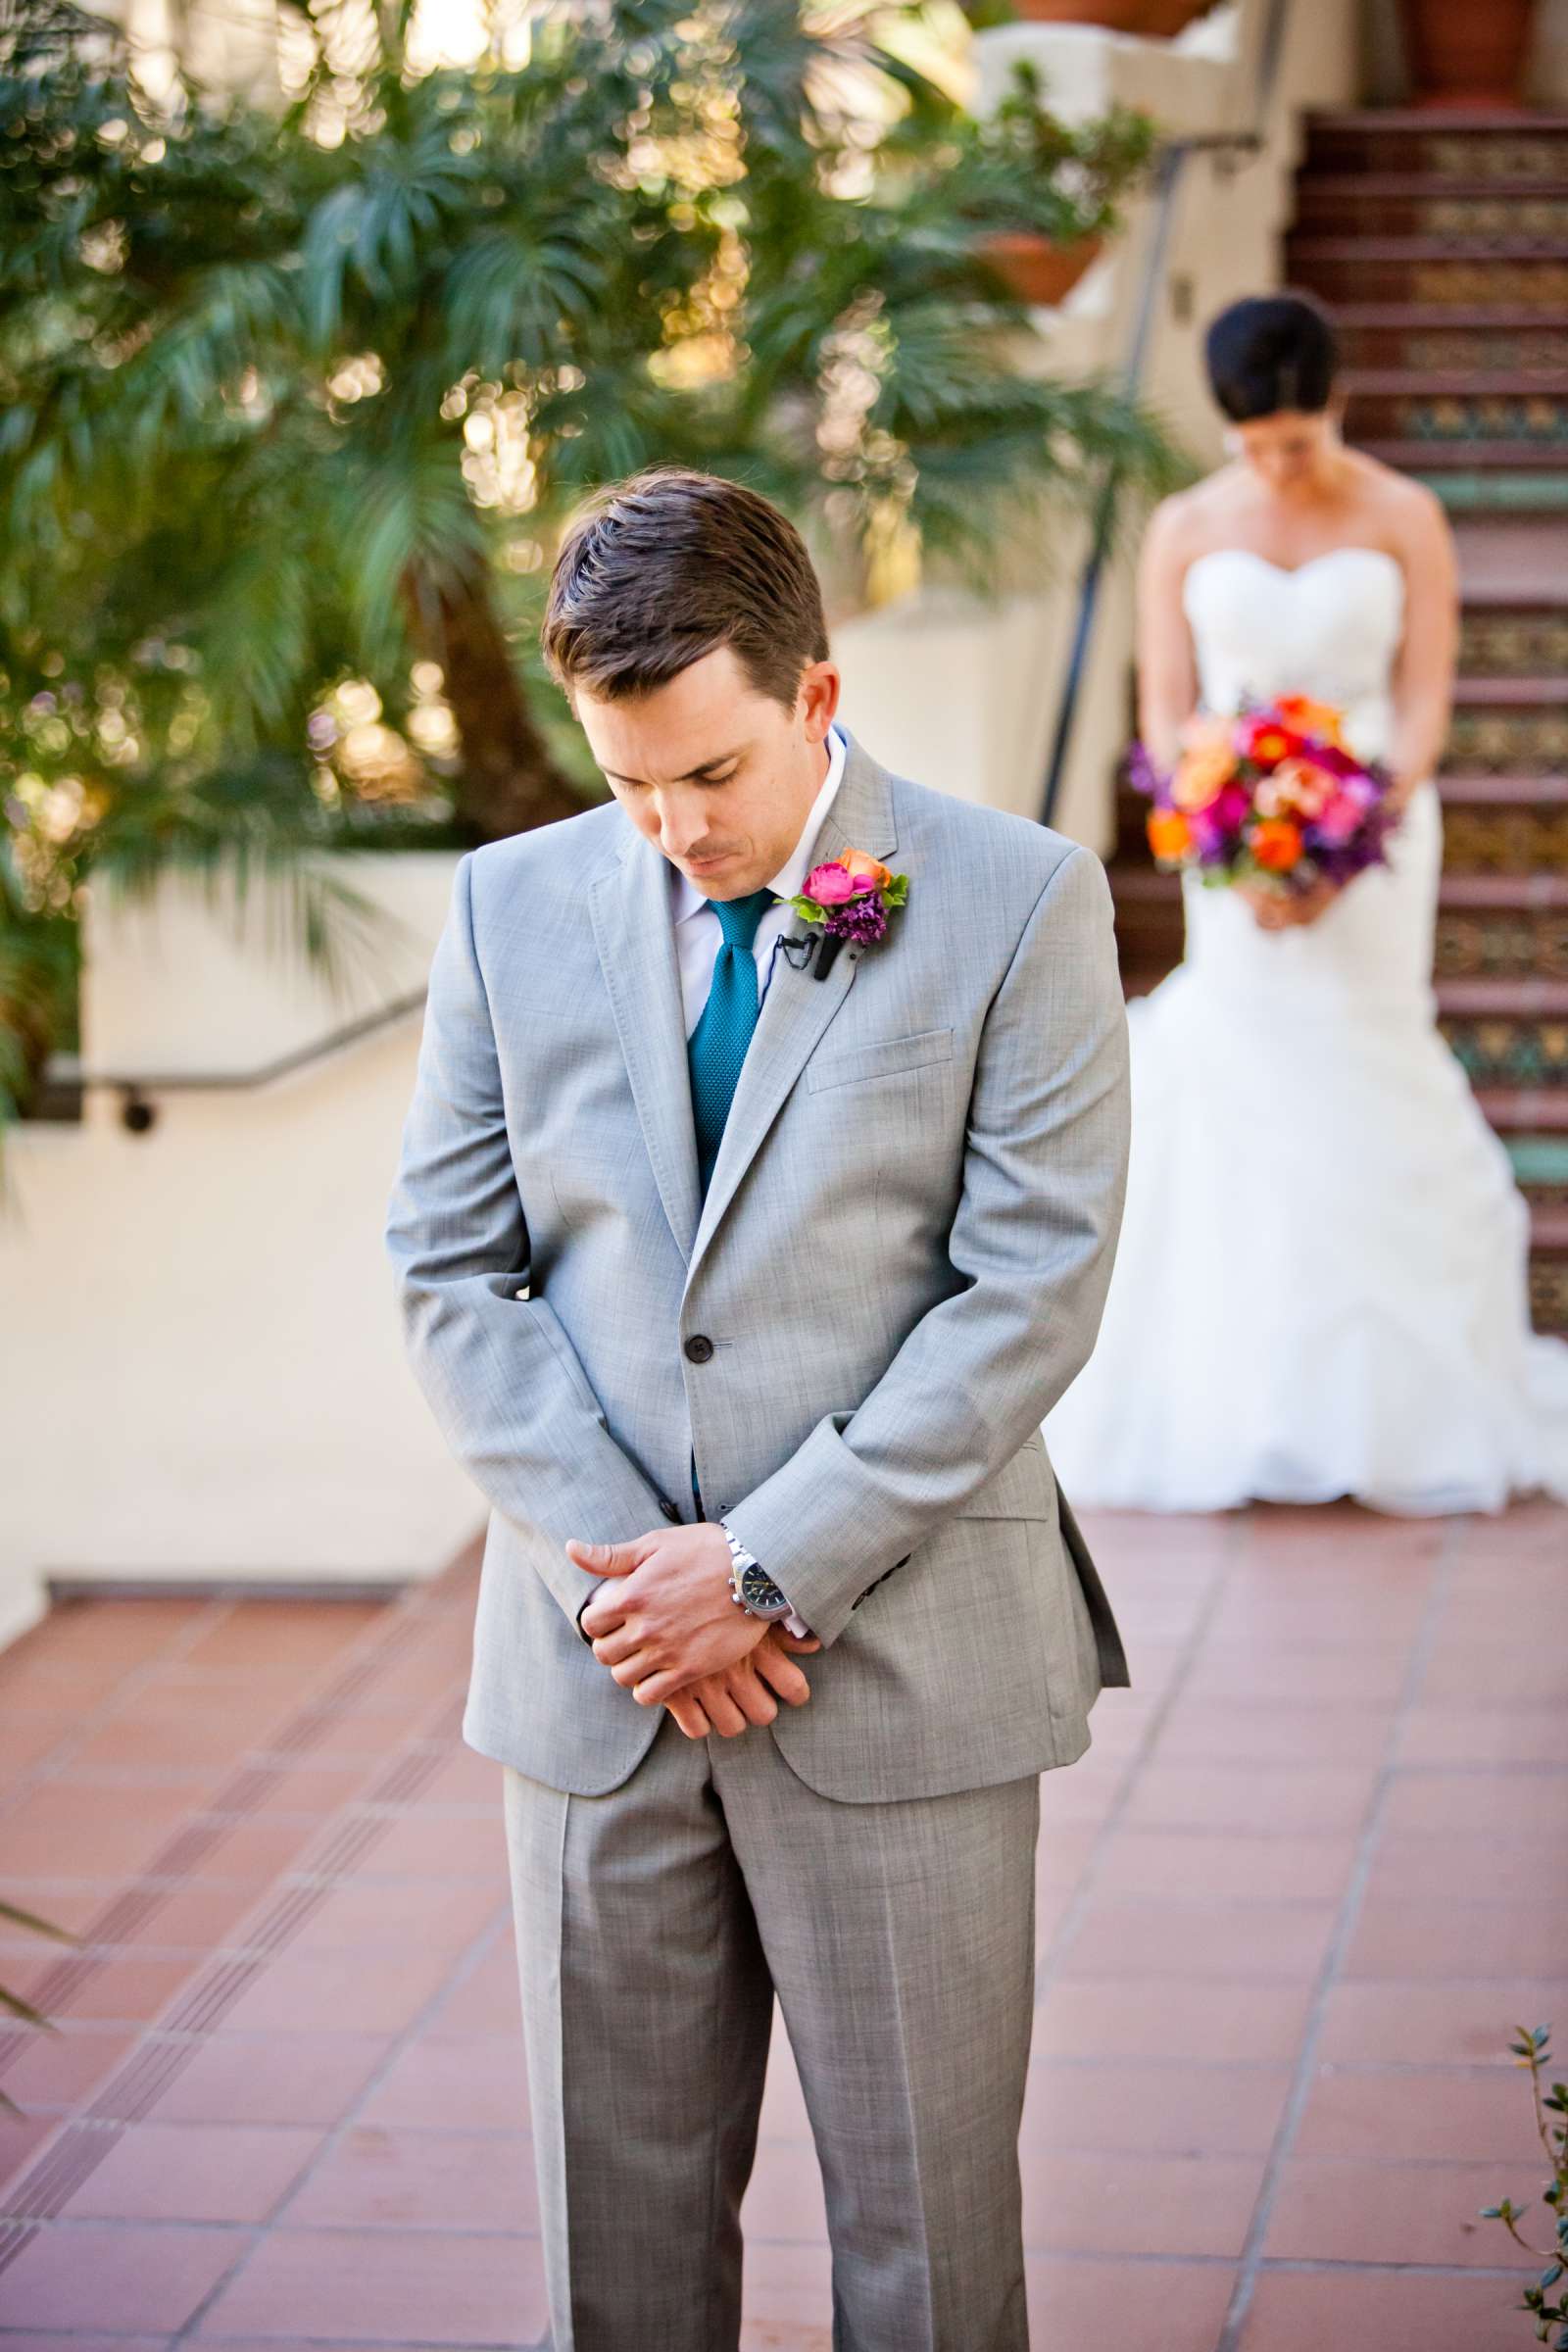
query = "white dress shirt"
x=698 y=937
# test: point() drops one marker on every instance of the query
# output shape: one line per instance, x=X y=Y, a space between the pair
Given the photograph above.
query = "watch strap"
x=780 y=1612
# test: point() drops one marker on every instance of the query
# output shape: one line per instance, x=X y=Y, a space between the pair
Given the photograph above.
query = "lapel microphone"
x=799 y=951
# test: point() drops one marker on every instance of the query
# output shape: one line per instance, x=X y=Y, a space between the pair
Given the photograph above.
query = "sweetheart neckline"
x=1294 y=572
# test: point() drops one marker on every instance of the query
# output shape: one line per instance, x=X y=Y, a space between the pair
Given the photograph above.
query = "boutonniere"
x=849 y=896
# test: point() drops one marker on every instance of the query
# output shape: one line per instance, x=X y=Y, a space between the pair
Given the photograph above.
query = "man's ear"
x=818 y=699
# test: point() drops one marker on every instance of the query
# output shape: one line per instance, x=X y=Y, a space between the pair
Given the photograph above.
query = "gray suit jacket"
x=899 y=1267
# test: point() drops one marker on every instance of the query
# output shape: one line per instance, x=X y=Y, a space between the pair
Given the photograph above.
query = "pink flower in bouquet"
x=1341 y=816
x=1233 y=808
x=1300 y=788
x=831 y=884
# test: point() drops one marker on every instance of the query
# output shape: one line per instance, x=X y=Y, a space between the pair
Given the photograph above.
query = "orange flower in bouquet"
x=1276 y=844
x=1304 y=716
x=1206 y=765
x=1170 y=836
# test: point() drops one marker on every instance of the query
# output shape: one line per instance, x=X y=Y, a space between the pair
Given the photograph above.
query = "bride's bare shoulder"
x=1192 y=520
x=1409 y=511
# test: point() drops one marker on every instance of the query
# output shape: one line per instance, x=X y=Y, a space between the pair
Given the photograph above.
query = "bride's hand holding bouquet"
x=1271 y=802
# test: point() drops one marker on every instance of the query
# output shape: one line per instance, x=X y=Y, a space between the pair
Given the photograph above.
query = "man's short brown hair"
x=666 y=567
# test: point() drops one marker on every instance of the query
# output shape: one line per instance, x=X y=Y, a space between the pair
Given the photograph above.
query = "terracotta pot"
x=1037 y=270
x=1161 y=17
x=1467 y=52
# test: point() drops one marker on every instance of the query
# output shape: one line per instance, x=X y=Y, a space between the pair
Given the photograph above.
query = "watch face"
x=758 y=1590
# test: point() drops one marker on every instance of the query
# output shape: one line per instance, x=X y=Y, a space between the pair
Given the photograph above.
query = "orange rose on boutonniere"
x=856 y=862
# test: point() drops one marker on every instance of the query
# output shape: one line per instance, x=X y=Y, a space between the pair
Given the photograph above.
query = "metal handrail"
x=1170 y=162
x=137 y=1113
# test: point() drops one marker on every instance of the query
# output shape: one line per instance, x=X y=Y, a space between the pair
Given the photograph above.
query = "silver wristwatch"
x=751 y=1587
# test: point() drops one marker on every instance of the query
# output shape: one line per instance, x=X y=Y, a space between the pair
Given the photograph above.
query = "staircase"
x=1440 y=243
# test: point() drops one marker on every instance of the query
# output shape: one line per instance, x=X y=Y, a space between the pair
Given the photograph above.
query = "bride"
x=1321 y=1283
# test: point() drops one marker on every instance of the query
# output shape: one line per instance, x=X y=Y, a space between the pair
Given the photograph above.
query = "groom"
x=740 y=1266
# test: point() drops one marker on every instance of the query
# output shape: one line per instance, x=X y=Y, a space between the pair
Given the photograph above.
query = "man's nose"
x=682 y=822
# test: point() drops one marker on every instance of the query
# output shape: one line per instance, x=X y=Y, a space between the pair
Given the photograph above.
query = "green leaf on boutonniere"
x=895 y=893
x=808 y=910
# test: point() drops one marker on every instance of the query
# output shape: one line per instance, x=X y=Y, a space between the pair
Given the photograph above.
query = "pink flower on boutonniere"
x=830 y=885
x=849 y=896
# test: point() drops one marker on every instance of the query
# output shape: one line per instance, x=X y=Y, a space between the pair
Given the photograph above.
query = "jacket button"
x=699 y=1348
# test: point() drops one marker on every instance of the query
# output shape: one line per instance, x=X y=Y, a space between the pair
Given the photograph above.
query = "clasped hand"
x=1277 y=910
x=668 y=1630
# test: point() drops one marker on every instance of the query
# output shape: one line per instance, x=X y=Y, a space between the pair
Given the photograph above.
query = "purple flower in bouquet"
x=1210 y=837
x=1145 y=777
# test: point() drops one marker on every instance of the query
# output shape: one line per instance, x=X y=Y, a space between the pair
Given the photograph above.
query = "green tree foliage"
x=294 y=400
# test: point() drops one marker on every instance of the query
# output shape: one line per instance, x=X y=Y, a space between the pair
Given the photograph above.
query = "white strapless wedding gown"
x=1321 y=1287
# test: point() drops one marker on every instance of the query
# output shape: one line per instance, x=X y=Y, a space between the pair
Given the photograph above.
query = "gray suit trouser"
x=654 y=1925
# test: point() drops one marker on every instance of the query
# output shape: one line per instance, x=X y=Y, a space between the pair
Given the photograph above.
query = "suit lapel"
x=797 y=1006
x=629 y=905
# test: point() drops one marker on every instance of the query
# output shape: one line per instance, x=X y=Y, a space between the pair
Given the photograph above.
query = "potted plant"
x=1546 y=2301
x=1460 y=55
x=1054 y=187
x=1152 y=18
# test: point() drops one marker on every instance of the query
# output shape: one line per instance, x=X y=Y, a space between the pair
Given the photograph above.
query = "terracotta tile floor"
x=1312 y=1872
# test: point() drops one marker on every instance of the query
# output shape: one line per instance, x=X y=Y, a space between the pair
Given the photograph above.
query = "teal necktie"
x=717 y=1045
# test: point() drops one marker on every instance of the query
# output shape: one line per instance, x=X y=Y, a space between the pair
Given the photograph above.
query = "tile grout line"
x=333 y=2139
x=47 y=1767
x=208 y=1826
x=87 y=2133
x=1249 y=2263
x=1068 y=1926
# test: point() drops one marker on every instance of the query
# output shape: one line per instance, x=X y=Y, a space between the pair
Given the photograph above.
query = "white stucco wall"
x=201 y=1374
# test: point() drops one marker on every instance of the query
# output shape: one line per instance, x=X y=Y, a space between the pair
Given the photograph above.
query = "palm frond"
x=245 y=840
x=14 y=1916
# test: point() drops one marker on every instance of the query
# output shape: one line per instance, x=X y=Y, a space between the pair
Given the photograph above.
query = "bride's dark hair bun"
x=1270 y=351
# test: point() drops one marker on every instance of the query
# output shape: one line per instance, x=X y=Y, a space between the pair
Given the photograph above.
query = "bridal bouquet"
x=1272 y=795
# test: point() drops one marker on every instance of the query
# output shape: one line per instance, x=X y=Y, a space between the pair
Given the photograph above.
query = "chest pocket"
x=878 y=1057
